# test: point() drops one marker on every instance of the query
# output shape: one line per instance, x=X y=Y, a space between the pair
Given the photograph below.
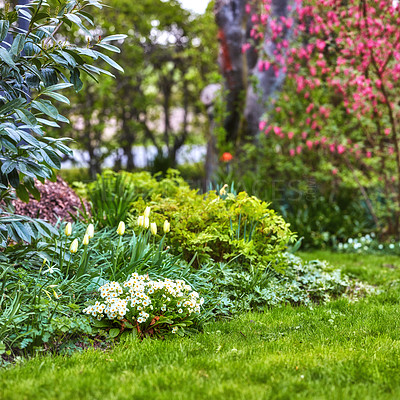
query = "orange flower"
x=226 y=157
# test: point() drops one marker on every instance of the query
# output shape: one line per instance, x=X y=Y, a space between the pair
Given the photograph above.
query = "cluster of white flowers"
x=365 y=243
x=142 y=297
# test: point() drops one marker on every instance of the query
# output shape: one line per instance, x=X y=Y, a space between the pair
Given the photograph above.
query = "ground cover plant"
x=340 y=349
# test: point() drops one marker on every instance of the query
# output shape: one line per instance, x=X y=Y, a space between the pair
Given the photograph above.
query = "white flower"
x=146 y=212
x=90 y=231
x=50 y=270
x=74 y=246
x=167 y=226
x=68 y=229
x=140 y=222
x=85 y=241
x=121 y=228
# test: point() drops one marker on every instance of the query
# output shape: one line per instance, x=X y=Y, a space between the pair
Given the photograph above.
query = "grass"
x=340 y=350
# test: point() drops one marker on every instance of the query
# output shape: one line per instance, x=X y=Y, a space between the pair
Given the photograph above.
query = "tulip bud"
x=153 y=228
x=167 y=226
x=146 y=223
x=140 y=221
x=90 y=231
x=223 y=192
x=147 y=212
x=85 y=240
x=68 y=229
x=74 y=246
x=121 y=228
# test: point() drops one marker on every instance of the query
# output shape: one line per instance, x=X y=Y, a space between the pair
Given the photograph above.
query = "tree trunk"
x=246 y=104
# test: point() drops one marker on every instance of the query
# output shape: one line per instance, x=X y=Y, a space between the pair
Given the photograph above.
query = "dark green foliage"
x=318 y=207
x=111 y=197
x=33 y=71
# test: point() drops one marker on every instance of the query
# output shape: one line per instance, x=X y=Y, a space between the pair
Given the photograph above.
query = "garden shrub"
x=218 y=226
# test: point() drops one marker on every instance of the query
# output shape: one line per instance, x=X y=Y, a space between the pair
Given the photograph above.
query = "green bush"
x=222 y=227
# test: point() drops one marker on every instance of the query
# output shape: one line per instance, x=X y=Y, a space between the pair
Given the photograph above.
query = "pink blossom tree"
x=344 y=65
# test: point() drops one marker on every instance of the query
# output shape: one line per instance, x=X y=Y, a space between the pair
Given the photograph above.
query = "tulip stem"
x=114 y=268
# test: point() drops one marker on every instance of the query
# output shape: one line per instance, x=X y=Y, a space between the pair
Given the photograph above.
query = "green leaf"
x=75 y=79
x=12 y=105
x=113 y=37
x=114 y=332
x=29 y=138
x=26 y=116
x=49 y=76
x=110 y=47
x=97 y=70
x=8 y=166
x=45 y=107
x=6 y=58
x=110 y=61
x=47 y=122
x=30 y=185
x=22 y=232
x=101 y=324
x=51 y=158
x=4 y=26
x=22 y=193
x=39 y=16
x=59 y=97
x=74 y=18
x=54 y=88
x=79 y=60
x=18 y=44
x=88 y=17
x=70 y=60
x=13 y=178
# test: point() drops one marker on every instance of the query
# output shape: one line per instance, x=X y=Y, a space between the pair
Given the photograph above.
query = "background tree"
x=250 y=82
x=168 y=58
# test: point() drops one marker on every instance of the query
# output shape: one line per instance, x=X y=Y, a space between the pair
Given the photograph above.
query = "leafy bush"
x=221 y=227
x=36 y=66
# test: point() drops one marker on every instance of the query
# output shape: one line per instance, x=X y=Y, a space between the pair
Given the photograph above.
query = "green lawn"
x=337 y=351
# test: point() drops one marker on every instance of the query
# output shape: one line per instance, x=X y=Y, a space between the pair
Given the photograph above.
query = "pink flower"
x=387 y=131
x=290 y=135
x=341 y=149
x=335 y=171
x=262 y=125
x=292 y=152
x=309 y=144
